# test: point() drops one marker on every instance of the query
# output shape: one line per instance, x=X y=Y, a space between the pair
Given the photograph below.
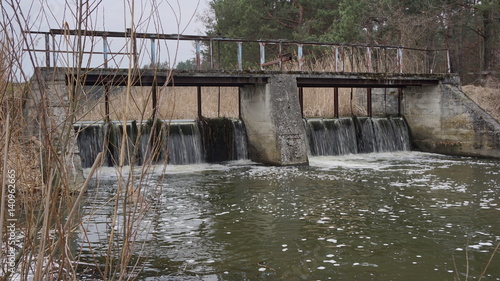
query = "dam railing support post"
x=198 y=92
x=400 y=99
x=336 y=102
x=369 y=101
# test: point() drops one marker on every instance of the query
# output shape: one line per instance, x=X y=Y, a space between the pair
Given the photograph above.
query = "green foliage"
x=470 y=29
x=189 y=64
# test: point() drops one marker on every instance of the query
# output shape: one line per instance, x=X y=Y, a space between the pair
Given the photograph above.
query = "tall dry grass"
x=182 y=103
x=38 y=139
x=488 y=98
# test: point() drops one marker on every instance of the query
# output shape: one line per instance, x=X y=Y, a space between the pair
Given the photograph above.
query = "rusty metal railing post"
x=448 y=61
x=400 y=60
x=400 y=99
x=153 y=52
x=47 y=49
x=198 y=55
x=198 y=95
x=280 y=56
x=369 y=59
x=105 y=51
x=106 y=86
x=336 y=102
x=54 y=55
x=262 y=55
x=336 y=58
x=300 y=55
x=240 y=56
x=369 y=101
x=211 y=54
x=134 y=48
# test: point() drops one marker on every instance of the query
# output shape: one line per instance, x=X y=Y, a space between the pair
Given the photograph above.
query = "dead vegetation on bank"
x=488 y=98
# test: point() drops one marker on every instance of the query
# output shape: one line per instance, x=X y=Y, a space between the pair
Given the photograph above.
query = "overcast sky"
x=176 y=16
x=154 y=16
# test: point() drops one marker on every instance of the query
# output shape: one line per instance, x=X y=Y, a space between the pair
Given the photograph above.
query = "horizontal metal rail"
x=345 y=57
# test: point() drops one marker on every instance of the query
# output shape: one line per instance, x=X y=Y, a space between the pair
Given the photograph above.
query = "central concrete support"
x=273 y=120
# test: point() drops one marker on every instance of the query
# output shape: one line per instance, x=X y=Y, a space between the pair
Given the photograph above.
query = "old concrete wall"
x=49 y=88
x=271 y=112
x=443 y=119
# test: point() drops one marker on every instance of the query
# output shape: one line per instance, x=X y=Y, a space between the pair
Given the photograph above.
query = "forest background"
x=470 y=29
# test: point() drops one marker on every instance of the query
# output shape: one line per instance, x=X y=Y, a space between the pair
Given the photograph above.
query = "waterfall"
x=331 y=136
x=356 y=135
x=90 y=142
x=223 y=139
x=183 y=144
x=240 y=143
x=178 y=142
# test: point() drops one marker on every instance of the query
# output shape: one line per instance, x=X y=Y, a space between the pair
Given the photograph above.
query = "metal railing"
x=285 y=54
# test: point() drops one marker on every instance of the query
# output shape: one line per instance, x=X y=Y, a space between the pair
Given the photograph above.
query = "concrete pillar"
x=49 y=88
x=273 y=120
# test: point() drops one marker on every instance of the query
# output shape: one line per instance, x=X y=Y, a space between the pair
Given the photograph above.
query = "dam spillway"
x=178 y=142
x=185 y=142
x=353 y=135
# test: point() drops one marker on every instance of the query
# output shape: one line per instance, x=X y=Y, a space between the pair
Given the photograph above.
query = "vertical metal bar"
x=300 y=56
x=336 y=58
x=369 y=59
x=54 y=55
x=47 y=49
x=369 y=102
x=400 y=60
x=134 y=49
x=240 y=56
x=262 y=55
x=105 y=50
x=301 y=101
x=400 y=99
x=106 y=87
x=448 y=60
x=153 y=52
x=200 y=115
x=280 y=56
x=106 y=102
x=211 y=54
x=198 y=55
x=336 y=102
x=352 y=59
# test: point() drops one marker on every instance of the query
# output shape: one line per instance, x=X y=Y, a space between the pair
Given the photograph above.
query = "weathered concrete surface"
x=48 y=87
x=271 y=112
x=443 y=119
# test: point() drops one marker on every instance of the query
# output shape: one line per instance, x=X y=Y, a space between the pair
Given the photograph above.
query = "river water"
x=379 y=216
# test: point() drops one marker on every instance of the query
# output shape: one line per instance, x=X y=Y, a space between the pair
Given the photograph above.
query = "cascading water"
x=331 y=136
x=223 y=139
x=356 y=135
x=240 y=143
x=183 y=145
x=181 y=142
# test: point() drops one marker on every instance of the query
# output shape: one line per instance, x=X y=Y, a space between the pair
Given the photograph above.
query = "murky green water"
x=390 y=216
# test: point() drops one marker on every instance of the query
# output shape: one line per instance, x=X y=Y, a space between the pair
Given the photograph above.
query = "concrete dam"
x=433 y=115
